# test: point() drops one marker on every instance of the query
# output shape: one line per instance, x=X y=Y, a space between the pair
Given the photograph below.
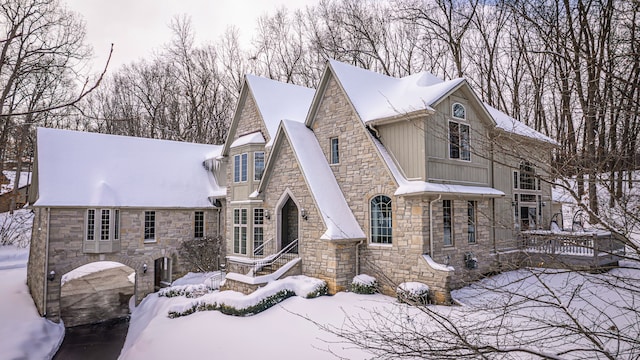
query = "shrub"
x=201 y=255
x=364 y=284
x=413 y=293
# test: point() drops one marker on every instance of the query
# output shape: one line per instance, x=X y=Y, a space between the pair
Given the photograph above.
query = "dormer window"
x=240 y=168
x=458 y=111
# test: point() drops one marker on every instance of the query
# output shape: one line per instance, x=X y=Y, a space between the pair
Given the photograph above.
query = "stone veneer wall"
x=66 y=236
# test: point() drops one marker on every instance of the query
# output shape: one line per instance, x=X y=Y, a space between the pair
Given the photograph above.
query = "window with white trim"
x=149 y=226
x=258 y=165
x=258 y=231
x=447 y=221
x=472 y=218
x=459 y=142
x=381 y=220
x=103 y=224
x=198 y=224
x=240 y=231
x=240 y=168
x=335 y=150
x=458 y=111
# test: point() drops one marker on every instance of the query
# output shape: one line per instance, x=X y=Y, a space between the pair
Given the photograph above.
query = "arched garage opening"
x=96 y=292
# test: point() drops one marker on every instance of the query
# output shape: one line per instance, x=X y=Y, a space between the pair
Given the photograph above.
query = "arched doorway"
x=162 y=273
x=288 y=224
x=96 y=292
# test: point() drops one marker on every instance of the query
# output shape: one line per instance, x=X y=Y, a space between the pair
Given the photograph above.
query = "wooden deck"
x=583 y=250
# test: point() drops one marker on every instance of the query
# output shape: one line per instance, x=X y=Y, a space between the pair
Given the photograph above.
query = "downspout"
x=431 y=225
x=46 y=264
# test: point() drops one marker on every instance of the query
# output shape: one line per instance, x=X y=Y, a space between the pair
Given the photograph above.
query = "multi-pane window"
x=240 y=168
x=91 y=224
x=149 y=226
x=198 y=224
x=447 y=217
x=335 y=151
x=104 y=224
x=381 y=220
x=527 y=176
x=459 y=143
x=240 y=231
x=458 y=111
x=258 y=231
x=258 y=165
x=472 y=207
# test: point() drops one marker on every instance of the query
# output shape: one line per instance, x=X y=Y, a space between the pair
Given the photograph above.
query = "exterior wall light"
x=304 y=215
x=267 y=215
x=51 y=275
x=144 y=268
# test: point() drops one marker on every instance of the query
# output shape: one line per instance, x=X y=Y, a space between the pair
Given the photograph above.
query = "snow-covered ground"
x=292 y=328
x=24 y=334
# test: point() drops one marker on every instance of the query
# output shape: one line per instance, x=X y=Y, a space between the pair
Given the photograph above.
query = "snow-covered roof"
x=509 y=124
x=415 y=187
x=253 y=138
x=25 y=179
x=88 y=169
x=336 y=214
x=277 y=101
x=376 y=96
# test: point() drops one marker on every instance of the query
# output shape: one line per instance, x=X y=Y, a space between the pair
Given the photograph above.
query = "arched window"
x=458 y=111
x=381 y=223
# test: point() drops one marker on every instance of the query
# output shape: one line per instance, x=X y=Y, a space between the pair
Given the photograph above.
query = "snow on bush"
x=190 y=291
x=413 y=293
x=235 y=303
x=15 y=229
x=364 y=284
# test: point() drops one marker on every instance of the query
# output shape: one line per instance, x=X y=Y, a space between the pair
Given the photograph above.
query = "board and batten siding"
x=405 y=141
x=439 y=166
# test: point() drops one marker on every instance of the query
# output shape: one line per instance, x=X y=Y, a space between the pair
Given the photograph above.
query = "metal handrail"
x=260 y=249
x=253 y=265
x=269 y=260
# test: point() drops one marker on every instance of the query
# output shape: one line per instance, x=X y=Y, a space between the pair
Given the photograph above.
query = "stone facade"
x=57 y=245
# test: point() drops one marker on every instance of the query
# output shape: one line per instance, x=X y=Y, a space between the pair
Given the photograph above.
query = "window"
x=471 y=221
x=103 y=224
x=198 y=225
x=459 y=144
x=335 y=151
x=381 y=220
x=258 y=165
x=527 y=176
x=458 y=111
x=258 y=233
x=447 y=216
x=240 y=231
x=91 y=224
x=240 y=168
x=149 y=226
x=116 y=224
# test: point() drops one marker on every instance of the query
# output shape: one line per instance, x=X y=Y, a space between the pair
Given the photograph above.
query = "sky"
x=138 y=27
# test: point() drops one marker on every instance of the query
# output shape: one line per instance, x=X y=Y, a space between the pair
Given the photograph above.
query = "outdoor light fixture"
x=303 y=213
x=51 y=275
x=267 y=215
x=144 y=268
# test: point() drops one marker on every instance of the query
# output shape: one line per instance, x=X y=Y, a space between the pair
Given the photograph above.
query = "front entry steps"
x=247 y=284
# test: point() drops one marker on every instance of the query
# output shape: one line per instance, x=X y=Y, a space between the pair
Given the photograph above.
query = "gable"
x=246 y=120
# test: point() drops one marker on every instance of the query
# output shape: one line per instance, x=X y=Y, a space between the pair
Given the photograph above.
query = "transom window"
x=103 y=224
x=447 y=217
x=198 y=224
x=240 y=168
x=458 y=111
x=335 y=151
x=381 y=220
x=240 y=231
x=149 y=226
x=258 y=165
x=459 y=142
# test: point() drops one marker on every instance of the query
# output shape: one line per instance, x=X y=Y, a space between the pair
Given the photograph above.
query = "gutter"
x=431 y=224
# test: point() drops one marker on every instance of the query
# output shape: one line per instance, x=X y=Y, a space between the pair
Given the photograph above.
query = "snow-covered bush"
x=364 y=284
x=15 y=229
x=190 y=291
x=414 y=293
